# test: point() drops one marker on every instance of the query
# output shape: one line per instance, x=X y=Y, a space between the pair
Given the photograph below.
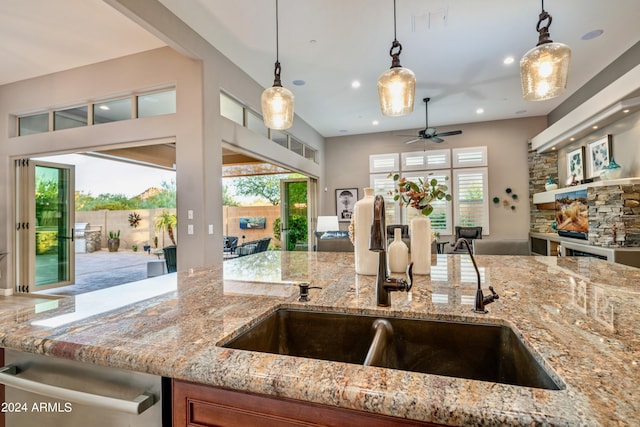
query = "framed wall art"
x=346 y=199
x=599 y=155
x=575 y=164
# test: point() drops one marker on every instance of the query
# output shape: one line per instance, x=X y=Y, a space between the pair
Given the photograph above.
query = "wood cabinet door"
x=197 y=405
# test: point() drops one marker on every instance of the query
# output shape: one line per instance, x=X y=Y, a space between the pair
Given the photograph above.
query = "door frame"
x=25 y=225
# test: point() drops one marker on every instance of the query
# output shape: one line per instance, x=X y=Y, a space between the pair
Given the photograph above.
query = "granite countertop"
x=581 y=316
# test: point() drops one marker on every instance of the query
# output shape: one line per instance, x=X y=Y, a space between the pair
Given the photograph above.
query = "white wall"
x=625 y=148
x=347 y=160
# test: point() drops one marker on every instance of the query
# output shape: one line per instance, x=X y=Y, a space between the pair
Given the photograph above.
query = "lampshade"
x=397 y=85
x=277 y=101
x=396 y=89
x=277 y=107
x=545 y=68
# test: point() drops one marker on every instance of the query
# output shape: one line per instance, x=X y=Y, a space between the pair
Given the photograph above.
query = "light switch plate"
x=210 y=228
x=189 y=214
x=190 y=229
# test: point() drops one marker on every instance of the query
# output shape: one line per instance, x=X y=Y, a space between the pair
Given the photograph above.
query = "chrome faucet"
x=481 y=300
x=378 y=243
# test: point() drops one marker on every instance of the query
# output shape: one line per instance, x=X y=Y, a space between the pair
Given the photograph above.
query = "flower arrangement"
x=418 y=195
x=134 y=219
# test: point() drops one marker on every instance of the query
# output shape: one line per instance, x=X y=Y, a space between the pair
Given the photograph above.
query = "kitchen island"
x=579 y=316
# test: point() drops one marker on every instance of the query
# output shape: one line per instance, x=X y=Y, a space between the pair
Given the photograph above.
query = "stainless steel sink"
x=482 y=352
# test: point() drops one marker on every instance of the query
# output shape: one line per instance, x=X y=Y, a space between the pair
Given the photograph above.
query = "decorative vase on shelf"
x=366 y=261
x=551 y=184
x=421 y=244
x=611 y=171
x=398 y=253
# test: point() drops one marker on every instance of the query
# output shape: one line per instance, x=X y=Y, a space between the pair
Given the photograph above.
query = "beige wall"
x=347 y=160
x=232 y=215
x=141 y=235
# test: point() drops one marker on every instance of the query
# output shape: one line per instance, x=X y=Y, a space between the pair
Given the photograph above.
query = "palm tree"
x=166 y=221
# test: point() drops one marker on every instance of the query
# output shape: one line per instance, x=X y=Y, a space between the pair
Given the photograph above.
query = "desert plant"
x=114 y=241
x=166 y=221
x=134 y=248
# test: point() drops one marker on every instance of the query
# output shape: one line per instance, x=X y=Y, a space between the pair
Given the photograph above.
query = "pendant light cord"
x=394 y=21
x=277 y=32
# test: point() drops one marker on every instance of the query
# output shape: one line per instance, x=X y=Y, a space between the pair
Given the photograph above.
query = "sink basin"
x=482 y=352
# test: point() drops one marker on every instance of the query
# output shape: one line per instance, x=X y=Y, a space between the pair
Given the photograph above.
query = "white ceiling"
x=456 y=49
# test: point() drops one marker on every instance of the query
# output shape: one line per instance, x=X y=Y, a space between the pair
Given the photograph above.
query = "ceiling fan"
x=430 y=133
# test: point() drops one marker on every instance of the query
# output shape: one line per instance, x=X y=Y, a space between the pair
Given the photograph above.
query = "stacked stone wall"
x=541 y=166
x=614 y=215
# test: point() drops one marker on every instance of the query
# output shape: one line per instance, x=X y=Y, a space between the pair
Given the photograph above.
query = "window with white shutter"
x=383 y=184
x=384 y=163
x=469 y=157
x=426 y=160
x=470 y=198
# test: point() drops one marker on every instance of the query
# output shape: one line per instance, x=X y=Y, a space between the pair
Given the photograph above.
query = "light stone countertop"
x=581 y=316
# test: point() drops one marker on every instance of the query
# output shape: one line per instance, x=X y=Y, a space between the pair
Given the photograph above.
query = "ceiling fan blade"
x=430 y=131
x=411 y=141
x=435 y=138
x=409 y=136
x=453 y=132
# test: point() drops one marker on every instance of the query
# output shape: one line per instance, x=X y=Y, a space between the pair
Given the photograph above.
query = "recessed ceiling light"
x=480 y=111
x=553 y=148
x=572 y=139
x=592 y=34
x=595 y=127
x=508 y=60
x=375 y=123
x=626 y=111
x=299 y=82
x=355 y=84
x=104 y=107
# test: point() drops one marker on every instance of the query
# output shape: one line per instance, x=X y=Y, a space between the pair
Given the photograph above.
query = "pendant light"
x=397 y=85
x=277 y=101
x=544 y=69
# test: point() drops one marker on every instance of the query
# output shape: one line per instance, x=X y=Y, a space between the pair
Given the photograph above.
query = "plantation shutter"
x=470 y=198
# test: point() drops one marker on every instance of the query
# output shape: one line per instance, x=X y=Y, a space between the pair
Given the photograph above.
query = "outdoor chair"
x=170 y=258
x=230 y=243
x=253 y=247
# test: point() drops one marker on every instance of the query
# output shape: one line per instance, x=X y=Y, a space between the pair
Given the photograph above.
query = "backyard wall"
x=231 y=222
x=143 y=234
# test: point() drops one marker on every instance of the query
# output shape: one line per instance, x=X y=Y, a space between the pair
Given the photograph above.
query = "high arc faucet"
x=481 y=300
x=378 y=243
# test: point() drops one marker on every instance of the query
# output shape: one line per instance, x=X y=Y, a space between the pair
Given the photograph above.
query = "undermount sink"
x=474 y=351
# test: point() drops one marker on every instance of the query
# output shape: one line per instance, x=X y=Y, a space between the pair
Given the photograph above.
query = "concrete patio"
x=103 y=269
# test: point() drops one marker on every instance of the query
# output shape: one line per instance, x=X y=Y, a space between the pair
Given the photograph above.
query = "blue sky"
x=97 y=176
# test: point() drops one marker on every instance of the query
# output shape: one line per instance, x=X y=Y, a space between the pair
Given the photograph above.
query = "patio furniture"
x=253 y=247
x=230 y=243
x=170 y=258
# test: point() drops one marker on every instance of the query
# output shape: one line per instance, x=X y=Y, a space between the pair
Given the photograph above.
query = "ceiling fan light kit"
x=397 y=85
x=277 y=101
x=545 y=68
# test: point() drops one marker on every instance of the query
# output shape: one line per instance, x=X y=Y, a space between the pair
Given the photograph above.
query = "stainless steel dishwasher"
x=50 y=392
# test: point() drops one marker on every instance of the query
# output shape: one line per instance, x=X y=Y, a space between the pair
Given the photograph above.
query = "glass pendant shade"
x=277 y=107
x=396 y=89
x=544 y=70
